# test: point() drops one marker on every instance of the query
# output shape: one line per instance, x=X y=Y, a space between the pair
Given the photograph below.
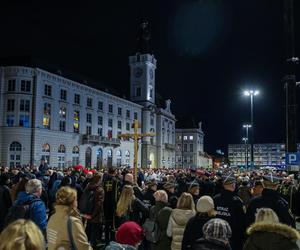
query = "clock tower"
x=142 y=78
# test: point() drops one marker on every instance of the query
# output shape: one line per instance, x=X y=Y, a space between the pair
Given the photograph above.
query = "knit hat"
x=129 y=233
x=205 y=204
x=229 y=179
x=217 y=229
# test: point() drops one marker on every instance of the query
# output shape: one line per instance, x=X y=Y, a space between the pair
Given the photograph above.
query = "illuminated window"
x=76 y=121
x=191 y=137
x=62 y=112
x=47 y=115
x=185 y=138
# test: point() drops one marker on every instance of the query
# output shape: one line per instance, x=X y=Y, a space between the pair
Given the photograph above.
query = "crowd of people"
x=175 y=209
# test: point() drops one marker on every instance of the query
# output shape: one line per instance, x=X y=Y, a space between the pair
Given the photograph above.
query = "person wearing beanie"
x=194 y=190
x=128 y=237
x=205 y=211
x=216 y=235
x=148 y=195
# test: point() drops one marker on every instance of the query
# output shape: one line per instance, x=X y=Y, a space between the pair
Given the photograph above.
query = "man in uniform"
x=230 y=207
x=270 y=198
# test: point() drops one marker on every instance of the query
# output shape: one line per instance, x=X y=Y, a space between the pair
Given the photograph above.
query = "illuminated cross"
x=136 y=136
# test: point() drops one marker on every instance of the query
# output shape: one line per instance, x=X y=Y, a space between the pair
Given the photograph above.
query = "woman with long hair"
x=130 y=208
x=22 y=235
x=65 y=229
x=179 y=218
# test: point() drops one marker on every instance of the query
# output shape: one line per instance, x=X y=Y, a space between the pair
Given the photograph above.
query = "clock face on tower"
x=138 y=72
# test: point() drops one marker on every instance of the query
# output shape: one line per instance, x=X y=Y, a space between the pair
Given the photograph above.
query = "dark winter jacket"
x=245 y=194
x=111 y=186
x=205 y=244
x=230 y=207
x=149 y=198
x=271 y=236
x=193 y=230
x=98 y=213
x=37 y=209
x=160 y=212
x=137 y=213
x=6 y=202
x=270 y=199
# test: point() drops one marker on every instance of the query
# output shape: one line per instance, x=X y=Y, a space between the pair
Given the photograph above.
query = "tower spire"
x=143 y=38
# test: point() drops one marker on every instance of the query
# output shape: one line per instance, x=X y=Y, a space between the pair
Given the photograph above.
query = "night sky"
x=208 y=52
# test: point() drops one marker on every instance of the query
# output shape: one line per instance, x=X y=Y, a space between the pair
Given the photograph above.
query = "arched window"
x=99 y=158
x=88 y=157
x=75 y=156
x=127 y=157
x=109 y=157
x=61 y=156
x=119 y=158
x=15 y=152
x=46 y=152
x=47 y=115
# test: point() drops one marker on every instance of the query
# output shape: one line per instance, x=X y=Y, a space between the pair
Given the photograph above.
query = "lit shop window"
x=47 y=115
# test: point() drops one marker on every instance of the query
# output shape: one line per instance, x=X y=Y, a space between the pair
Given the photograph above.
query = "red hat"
x=129 y=233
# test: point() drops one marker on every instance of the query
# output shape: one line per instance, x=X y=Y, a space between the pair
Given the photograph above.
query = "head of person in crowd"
x=66 y=181
x=130 y=233
x=128 y=179
x=35 y=187
x=89 y=175
x=229 y=182
x=270 y=181
x=161 y=196
x=22 y=235
x=152 y=185
x=186 y=202
x=266 y=215
x=5 y=179
x=257 y=188
x=194 y=188
x=217 y=230
x=67 y=196
x=96 y=179
x=206 y=207
x=125 y=200
x=112 y=171
x=170 y=187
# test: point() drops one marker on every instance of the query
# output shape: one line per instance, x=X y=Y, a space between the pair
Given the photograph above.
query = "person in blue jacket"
x=37 y=209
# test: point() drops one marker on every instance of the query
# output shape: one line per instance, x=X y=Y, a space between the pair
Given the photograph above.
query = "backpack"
x=151 y=230
x=87 y=201
x=17 y=211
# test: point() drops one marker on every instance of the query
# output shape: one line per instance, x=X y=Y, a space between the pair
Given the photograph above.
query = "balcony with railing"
x=169 y=146
x=100 y=140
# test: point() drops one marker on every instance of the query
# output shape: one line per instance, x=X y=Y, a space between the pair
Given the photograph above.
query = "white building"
x=189 y=148
x=66 y=122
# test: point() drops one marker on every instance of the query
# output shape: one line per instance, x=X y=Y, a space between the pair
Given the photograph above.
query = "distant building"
x=189 y=148
x=46 y=115
x=267 y=154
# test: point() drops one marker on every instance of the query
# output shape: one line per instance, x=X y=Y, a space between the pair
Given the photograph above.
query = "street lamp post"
x=245 y=139
x=251 y=93
x=247 y=126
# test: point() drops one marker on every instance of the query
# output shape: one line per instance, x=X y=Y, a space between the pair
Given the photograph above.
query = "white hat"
x=205 y=204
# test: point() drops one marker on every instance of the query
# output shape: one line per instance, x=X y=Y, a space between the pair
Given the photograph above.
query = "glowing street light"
x=251 y=93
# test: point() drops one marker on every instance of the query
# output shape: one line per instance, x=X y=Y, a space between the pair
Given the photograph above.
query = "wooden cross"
x=136 y=137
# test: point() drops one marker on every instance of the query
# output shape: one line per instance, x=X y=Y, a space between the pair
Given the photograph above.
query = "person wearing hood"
x=37 y=209
x=205 y=212
x=216 y=235
x=128 y=237
x=179 y=218
x=65 y=229
x=268 y=234
x=96 y=219
x=5 y=198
